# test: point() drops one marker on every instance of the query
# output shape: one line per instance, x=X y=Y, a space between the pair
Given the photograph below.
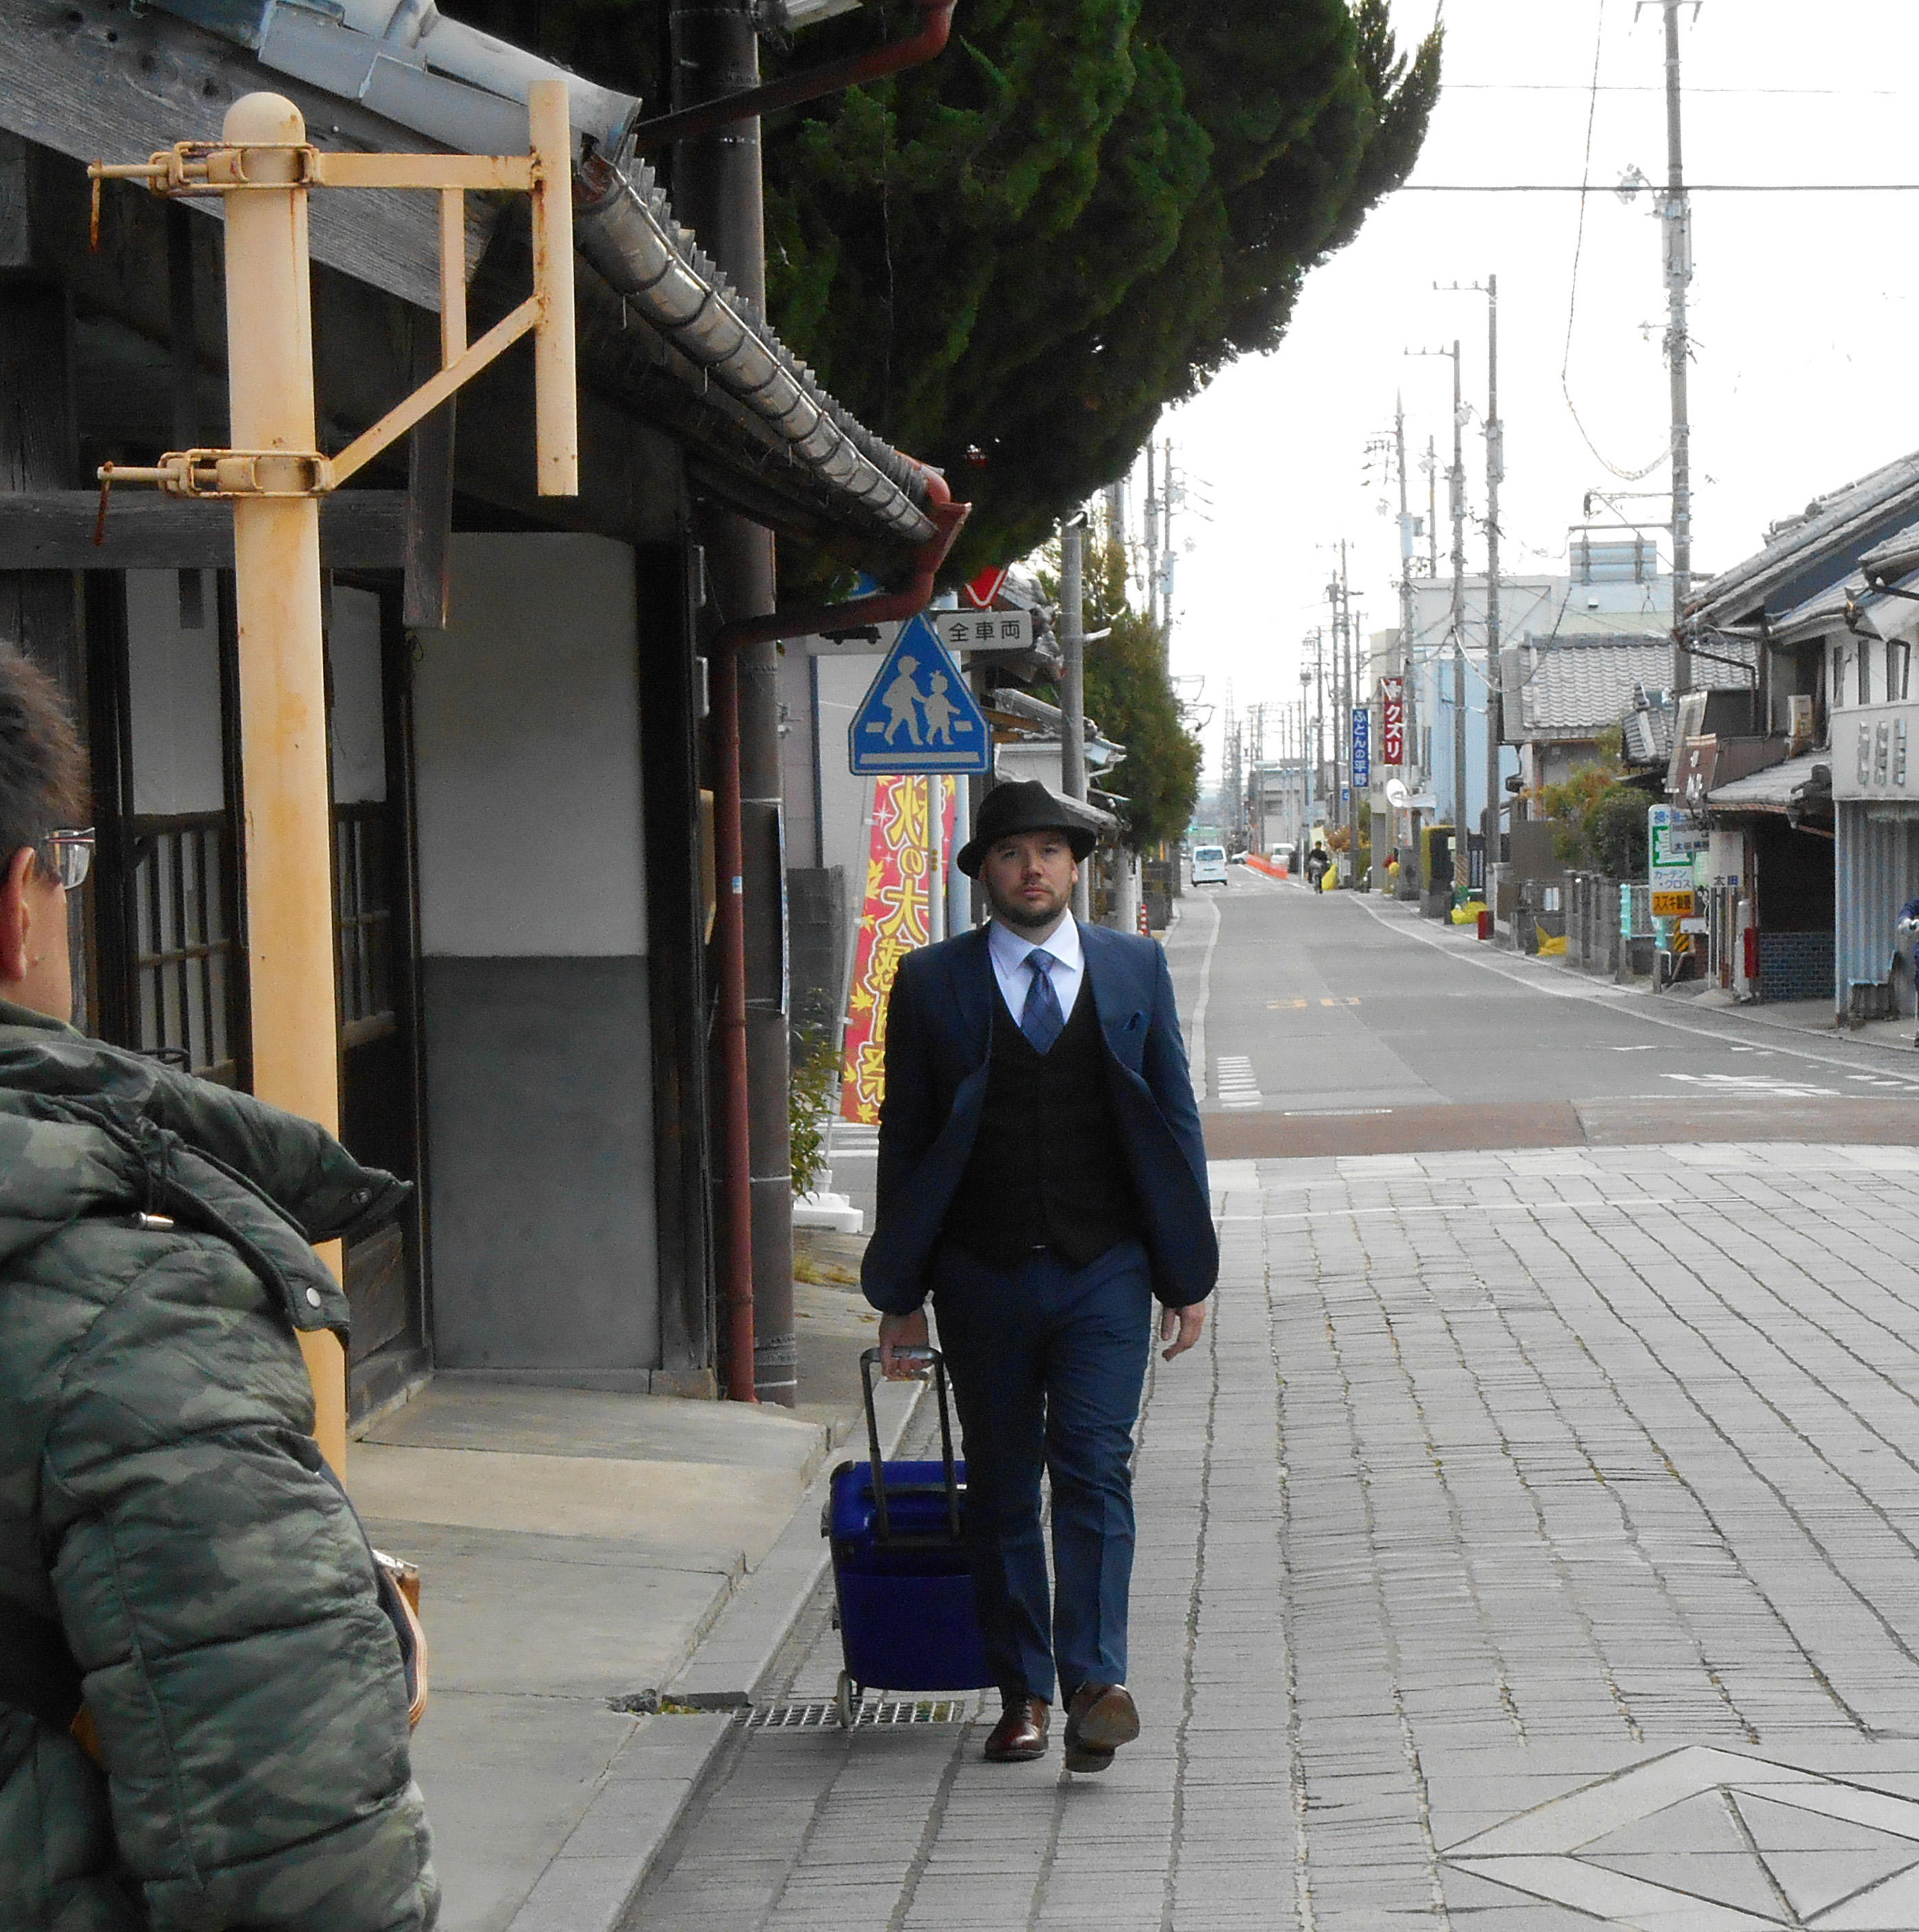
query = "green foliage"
x=1616 y=833
x=1130 y=697
x=810 y=1104
x=1597 y=820
x=1079 y=214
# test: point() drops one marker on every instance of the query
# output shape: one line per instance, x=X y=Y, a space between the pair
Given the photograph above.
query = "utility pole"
x=717 y=190
x=1152 y=541
x=1164 y=586
x=1259 y=780
x=1495 y=474
x=1072 y=687
x=1308 y=756
x=1455 y=485
x=1678 y=222
x=1495 y=470
x=1410 y=757
x=1431 y=510
x=274 y=478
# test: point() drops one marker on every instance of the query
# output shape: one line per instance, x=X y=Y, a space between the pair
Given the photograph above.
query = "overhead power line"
x=1636 y=87
x=1691 y=188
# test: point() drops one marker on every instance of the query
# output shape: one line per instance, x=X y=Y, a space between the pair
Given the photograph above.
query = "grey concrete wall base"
x=592 y=1880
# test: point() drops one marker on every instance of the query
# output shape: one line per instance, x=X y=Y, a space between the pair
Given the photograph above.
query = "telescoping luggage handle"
x=936 y=1363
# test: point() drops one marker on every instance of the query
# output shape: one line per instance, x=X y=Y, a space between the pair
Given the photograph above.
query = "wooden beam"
x=53 y=529
x=99 y=81
x=426 y=587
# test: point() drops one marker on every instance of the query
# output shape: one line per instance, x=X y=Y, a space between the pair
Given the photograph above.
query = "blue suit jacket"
x=939 y=1031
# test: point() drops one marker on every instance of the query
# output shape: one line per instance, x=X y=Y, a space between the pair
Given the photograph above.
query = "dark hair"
x=43 y=768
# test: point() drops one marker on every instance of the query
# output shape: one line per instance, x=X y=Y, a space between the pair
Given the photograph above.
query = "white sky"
x=1803 y=311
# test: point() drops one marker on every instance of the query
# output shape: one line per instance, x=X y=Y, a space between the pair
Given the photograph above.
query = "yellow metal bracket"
x=193 y=168
x=230 y=472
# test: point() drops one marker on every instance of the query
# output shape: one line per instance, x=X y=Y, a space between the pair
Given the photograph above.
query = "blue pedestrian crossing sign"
x=918 y=716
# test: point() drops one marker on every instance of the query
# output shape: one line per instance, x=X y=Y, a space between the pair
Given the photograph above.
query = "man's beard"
x=1025 y=918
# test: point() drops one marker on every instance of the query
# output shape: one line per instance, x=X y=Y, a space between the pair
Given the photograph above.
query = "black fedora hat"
x=1026 y=806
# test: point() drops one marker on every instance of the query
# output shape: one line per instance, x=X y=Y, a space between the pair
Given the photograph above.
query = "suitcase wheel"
x=846 y=1700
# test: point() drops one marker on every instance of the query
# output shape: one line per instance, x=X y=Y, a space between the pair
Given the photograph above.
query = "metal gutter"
x=623 y=225
x=465 y=90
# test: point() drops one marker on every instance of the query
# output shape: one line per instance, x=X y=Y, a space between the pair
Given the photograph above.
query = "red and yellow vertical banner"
x=893 y=921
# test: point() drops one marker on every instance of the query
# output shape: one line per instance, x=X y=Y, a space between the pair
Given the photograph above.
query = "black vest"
x=1048 y=1168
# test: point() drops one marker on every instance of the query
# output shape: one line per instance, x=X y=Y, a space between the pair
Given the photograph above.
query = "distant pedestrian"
x=1041 y=1175
x=203 y=1703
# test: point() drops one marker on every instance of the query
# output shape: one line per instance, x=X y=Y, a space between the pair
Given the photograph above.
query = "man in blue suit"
x=1041 y=1175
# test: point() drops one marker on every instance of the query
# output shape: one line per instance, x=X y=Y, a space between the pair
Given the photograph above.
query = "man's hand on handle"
x=1179 y=1326
x=897 y=1332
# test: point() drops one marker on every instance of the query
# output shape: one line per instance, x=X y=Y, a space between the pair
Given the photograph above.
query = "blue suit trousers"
x=1047 y=1362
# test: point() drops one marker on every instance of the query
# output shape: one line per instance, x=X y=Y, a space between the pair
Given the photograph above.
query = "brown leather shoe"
x=1019 y=1736
x=1100 y=1718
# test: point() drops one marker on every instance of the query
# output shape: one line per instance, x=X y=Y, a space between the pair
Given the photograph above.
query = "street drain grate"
x=820 y=1714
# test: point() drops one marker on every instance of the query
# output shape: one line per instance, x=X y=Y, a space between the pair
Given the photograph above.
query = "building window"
x=1899 y=670
x=1863 y=655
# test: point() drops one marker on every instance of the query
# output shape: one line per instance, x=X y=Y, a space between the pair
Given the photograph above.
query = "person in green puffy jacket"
x=203 y=1704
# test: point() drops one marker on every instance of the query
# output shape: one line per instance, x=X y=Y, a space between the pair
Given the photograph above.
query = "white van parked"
x=1208 y=865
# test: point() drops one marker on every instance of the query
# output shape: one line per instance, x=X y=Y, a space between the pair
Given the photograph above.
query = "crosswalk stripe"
x=1237 y=1084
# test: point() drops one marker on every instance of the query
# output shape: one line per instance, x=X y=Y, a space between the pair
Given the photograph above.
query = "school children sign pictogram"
x=919 y=715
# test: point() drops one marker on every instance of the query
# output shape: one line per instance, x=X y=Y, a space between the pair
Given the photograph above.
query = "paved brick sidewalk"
x=1573 y=1487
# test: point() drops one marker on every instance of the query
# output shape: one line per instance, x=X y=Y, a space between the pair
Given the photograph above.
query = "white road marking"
x=1196 y=1049
x=1237 y=1084
x=1756 y=1083
x=1596 y=994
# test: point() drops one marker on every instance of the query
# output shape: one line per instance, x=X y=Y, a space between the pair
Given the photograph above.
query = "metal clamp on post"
x=229 y=473
x=297 y=166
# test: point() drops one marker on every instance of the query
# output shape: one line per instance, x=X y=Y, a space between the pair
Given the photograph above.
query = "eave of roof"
x=1786 y=787
x=93 y=78
x=1815 y=551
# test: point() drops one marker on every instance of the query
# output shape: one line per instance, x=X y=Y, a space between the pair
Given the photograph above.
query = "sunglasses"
x=67 y=856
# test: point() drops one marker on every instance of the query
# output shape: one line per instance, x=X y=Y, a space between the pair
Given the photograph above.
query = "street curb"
x=590 y=1883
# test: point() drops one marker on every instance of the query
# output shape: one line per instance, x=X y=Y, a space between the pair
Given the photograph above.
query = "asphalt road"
x=1340 y=1023
x=1306 y=1010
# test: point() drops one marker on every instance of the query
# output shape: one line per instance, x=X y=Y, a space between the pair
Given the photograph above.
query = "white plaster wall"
x=526 y=741
x=844 y=800
x=173 y=680
x=797 y=752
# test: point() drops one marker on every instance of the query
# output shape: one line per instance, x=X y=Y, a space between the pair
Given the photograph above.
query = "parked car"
x=1208 y=865
x=1288 y=856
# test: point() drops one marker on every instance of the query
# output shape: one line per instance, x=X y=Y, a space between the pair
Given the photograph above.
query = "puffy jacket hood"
x=88 y=1129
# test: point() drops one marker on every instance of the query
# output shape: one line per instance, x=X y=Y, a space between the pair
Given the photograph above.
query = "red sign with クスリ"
x=1393 y=721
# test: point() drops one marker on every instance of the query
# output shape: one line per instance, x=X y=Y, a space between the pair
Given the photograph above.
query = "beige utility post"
x=275 y=476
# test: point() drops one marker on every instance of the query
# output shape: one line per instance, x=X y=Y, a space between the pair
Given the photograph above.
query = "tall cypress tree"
x=1010 y=261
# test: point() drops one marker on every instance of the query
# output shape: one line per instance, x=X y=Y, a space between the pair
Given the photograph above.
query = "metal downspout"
x=730 y=928
x=686 y=124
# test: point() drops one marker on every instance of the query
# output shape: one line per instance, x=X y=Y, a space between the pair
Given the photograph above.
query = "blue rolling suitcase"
x=904 y=1589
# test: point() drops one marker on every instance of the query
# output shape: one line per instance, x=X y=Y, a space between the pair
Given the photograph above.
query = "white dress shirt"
x=1009 y=949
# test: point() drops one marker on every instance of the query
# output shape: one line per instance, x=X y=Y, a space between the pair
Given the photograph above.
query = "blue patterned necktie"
x=1041 y=1019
